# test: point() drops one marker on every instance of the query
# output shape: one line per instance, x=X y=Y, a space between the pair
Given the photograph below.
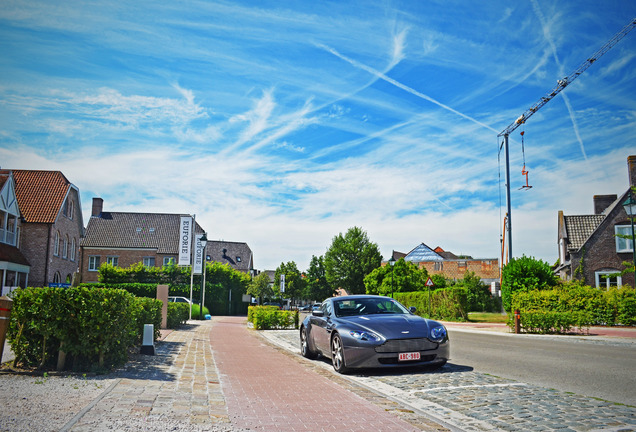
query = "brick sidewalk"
x=266 y=390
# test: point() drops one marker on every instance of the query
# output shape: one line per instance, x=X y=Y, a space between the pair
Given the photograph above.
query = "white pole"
x=194 y=219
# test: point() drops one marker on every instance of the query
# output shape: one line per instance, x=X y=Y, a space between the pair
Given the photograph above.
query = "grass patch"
x=487 y=317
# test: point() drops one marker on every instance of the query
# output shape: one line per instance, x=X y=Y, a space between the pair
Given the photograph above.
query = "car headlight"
x=438 y=334
x=365 y=336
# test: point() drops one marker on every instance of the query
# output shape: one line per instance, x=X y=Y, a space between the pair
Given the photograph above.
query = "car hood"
x=394 y=326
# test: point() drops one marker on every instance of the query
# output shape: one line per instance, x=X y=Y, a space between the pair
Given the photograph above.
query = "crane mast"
x=561 y=84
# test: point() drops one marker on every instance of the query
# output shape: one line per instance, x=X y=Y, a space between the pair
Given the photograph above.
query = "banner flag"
x=199 y=253
x=282 y=283
x=185 y=240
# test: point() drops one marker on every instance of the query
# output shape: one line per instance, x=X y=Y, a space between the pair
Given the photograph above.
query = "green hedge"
x=573 y=306
x=94 y=327
x=448 y=304
x=178 y=314
x=270 y=317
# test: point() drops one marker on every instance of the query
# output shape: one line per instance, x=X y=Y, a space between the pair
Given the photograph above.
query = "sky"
x=284 y=123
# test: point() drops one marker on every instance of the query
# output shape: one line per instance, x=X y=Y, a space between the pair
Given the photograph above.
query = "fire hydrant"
x=517 y=321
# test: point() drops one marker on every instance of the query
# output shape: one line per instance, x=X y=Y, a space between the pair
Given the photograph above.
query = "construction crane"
x=561 y=84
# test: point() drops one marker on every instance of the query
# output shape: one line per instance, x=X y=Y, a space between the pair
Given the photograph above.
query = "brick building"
x=51 y=225
x=439 y=261
x=589 y=249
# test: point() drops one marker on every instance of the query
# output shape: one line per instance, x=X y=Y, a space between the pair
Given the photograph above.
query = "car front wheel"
x=337 y=354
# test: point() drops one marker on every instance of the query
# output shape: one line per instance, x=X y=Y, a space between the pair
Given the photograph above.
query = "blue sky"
x=282 y=124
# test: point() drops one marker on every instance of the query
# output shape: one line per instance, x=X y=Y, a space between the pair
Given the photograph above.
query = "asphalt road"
x=597 y=368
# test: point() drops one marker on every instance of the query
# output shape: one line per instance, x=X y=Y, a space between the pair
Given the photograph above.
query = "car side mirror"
x=318 y=313
x=412 y=309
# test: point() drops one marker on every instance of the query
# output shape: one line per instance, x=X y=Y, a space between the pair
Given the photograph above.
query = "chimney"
x=631 y=169
x=98 y=204
x=601 y=202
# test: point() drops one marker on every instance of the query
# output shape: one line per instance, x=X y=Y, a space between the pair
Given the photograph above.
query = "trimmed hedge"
x=448 y=304
x=178 y=314
x=573 y=306
x=93 y=327
x=270 y=317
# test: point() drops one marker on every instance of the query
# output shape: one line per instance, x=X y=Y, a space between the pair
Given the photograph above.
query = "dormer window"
x=238 y=259
x=138 y=230
x=151 y=230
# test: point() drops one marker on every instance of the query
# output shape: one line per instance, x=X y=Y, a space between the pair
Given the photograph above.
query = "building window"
x=461 y=264
x=56 y=244
x=606 y=279
x=113 y=260
x=72 y=249
x=65 y=249
x=168 y=261
x=149 y=261
x=57 y=278
x=623 y=244
x=71 y=210
x=93 y=263
x=438 y=266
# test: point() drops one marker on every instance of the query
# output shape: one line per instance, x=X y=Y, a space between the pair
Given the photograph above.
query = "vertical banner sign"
x=185 y=240
x=282 y=283
x=198 y=254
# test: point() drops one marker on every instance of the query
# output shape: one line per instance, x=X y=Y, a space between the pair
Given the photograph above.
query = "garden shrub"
x=449 y=304
x=147 y=311
x=270 y=317
x=94 y=327
x=575 y=305
x=178 y=314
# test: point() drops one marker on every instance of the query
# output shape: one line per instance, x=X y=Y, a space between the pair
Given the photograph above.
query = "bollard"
x=517 y=321
x=5 y=315
x=148 y=345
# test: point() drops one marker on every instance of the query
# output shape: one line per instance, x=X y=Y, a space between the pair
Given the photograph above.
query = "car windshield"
x=368 y=306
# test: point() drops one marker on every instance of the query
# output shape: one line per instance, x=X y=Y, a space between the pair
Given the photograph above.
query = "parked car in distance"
x=177 y=299
x=278 y=305
x=308 y=308
x=365 y=331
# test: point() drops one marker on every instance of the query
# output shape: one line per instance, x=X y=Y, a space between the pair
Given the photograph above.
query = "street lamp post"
x=203 y=241
x=630 y=208
x=392 y=263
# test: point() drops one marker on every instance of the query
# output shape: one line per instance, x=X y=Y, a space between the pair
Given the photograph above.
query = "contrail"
x=546 y=34
x=403 y=87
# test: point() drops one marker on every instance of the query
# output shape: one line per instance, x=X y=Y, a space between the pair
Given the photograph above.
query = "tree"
x=404 y=276
x=525 y=274
x=317 y=287
x=479 y=297
x=294 y=283
x=349 y=259
x=260 y=287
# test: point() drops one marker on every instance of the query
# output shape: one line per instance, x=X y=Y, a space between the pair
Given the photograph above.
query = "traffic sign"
x=430 y=283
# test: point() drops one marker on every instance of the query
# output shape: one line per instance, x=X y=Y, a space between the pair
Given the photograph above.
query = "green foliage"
x=147 y=311
x=294 y=283
x=403 y=276
x=479 y=297
x=178 y=314
x=349 y=259
x=448 y=304
x=94 y=327
x=260 y=287
x=270 y=317
x=574 y=305
x=317 y=287
x=525 y=274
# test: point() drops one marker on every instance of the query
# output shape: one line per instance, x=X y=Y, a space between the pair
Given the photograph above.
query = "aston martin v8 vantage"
x=365 y=331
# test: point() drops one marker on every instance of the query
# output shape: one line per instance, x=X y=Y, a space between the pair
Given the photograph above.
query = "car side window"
x=326 y=308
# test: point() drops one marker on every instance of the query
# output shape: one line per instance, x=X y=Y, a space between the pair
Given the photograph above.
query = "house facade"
x=51 y=225
x=589 y=248
x=14 y=267
x=438 y=261
x=124 y=238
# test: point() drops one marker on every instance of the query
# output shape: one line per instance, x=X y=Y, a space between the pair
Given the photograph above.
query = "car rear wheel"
x=337 y=354
x=304 y=345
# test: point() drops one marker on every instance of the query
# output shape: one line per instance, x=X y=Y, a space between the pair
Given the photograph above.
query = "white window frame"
x=147 y=260
x=623 y=244
x=169 y=260
x=93 y=263
x=56 y=246
x=113 y=260
x=604 y=283
x=65 y=248
x=72 y=254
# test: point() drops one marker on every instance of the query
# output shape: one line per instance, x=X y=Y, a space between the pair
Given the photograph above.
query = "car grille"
x=406 y=345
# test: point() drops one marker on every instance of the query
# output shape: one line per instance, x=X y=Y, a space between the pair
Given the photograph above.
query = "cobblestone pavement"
x=177 y=389
x=461 y=399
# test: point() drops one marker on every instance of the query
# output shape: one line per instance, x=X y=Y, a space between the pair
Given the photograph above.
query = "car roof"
x=359 y=296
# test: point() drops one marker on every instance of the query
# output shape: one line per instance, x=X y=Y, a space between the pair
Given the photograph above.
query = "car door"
x=322 y=328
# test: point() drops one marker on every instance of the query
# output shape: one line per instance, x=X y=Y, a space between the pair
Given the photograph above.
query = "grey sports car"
x=365 y=331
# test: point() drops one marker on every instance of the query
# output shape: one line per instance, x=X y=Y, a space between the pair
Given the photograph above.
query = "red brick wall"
x=126 y=258
x=456 y=269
